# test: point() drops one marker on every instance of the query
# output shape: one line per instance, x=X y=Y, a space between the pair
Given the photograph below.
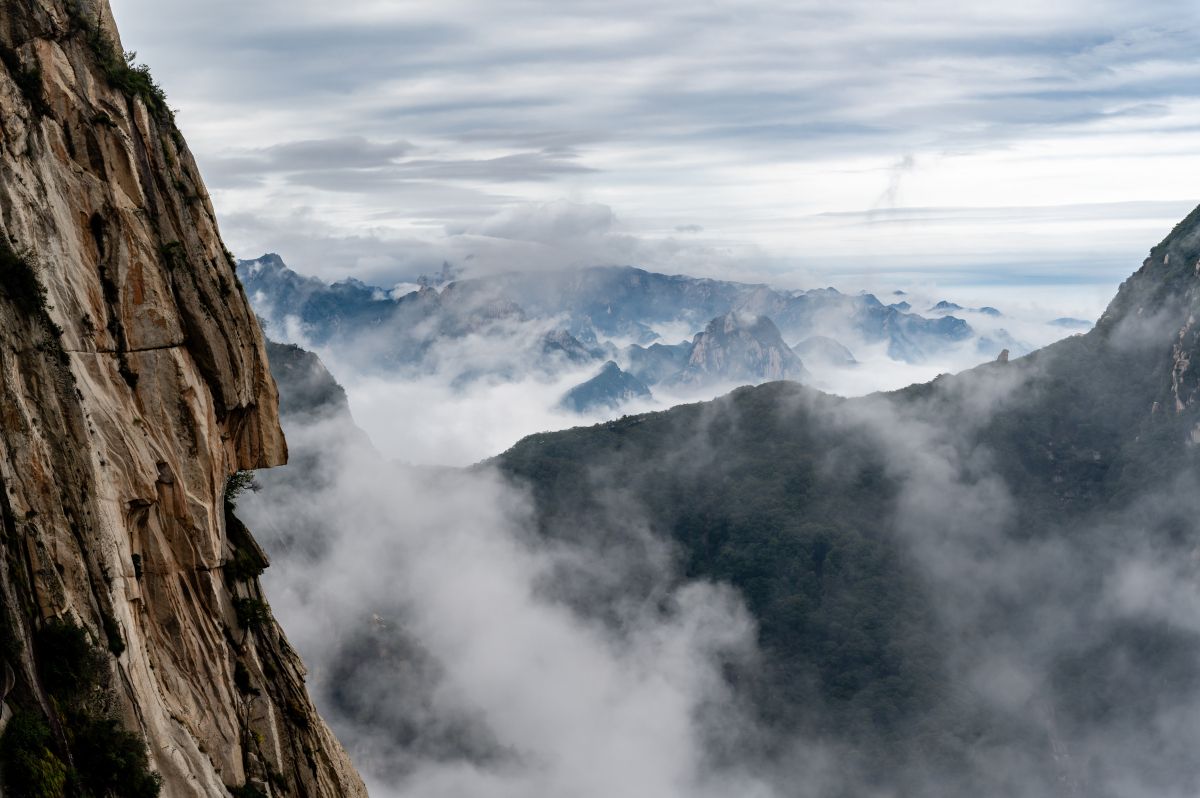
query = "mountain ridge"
x=891 y=548
x=617 y=302
x=739 y=347
x=886 y=543
x=611 y=388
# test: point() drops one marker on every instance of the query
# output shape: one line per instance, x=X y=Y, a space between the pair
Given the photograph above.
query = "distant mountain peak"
x=562 y=341
x=822 y=350
x=944 y=307
x=619 y=303
x=342 y=313
x=611 y=388
x=740 y=347
x=658 y=362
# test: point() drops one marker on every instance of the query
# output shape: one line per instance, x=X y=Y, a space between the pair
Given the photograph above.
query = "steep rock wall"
x=129 y=393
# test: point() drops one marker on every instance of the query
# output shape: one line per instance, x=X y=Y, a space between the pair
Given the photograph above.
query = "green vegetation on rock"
x=106 y=760
x=251 y=613
x=123 y=73
x=19 y=279
x=31 y=769
x=28 y=80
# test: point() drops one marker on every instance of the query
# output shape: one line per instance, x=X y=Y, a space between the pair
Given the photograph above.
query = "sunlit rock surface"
x=119 y=430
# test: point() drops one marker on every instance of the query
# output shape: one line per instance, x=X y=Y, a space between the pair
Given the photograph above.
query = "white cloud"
x=575 y=706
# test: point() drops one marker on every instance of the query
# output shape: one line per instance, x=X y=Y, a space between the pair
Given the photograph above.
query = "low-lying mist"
x=778 y=593
x=475 y=395
x=422 y=601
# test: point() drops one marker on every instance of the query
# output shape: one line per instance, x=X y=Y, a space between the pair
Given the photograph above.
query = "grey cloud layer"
x=761 y=68
x=355 y=164
x=392 y=106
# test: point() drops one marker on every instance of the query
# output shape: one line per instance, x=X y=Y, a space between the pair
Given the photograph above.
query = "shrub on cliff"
x=70 y=663
x=251 y=613
x=132 y=79
x=242 y=567
x=19 y=279
x=237 y=484
x=106 y=759
x=112 y=761
x=30 y=767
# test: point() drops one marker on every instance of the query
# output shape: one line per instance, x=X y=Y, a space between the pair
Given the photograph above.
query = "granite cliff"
x=133 y=386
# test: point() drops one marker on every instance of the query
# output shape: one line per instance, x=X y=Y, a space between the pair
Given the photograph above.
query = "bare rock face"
x=133 y=383
x=739 y=347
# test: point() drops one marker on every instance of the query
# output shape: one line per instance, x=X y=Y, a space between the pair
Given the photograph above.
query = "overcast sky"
x=858 y=143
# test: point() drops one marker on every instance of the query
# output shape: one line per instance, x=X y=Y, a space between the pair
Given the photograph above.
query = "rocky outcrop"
x=739 y=347
x=133 y=384
x=315 y=413
x=306 y=388
x=562 y=342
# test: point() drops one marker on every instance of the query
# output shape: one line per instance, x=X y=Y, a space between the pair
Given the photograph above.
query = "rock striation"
x=133 y=385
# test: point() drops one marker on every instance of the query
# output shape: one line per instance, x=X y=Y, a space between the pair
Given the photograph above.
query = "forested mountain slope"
x=979 y=583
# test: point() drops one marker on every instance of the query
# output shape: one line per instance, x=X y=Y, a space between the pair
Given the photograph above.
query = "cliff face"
x=133 y=383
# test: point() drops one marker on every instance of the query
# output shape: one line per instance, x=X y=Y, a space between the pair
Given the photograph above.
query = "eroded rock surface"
x=128 y=396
